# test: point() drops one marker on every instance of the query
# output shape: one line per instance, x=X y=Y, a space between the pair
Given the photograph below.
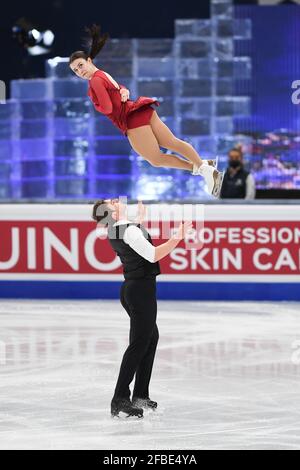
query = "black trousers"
x=138 y=297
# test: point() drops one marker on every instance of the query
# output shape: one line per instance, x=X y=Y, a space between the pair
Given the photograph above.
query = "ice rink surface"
x=226 y=376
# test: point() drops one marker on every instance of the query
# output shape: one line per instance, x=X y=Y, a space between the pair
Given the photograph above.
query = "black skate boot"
x=125 y=406
x=144 y=403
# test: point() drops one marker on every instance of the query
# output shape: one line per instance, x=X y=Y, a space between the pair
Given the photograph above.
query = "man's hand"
x=165 y=248
x=124 y=94
x=182 y=230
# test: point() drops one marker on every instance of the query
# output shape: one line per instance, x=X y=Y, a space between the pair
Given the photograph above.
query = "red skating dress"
x=107 y=100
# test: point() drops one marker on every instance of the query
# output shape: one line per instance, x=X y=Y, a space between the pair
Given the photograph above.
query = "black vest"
x=134 y=265
x=234 y=187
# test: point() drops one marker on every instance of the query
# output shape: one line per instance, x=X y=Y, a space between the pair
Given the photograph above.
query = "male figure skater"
x=140 y=259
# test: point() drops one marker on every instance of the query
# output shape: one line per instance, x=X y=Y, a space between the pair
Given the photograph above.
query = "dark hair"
x=102 y=214
x=95 y=41
x=237 y=148
x=78 y=55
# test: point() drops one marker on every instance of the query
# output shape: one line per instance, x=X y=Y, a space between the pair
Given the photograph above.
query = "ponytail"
x=96 y=40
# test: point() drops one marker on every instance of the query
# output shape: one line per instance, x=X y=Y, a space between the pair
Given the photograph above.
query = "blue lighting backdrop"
x=274 y=121
x=220 y=81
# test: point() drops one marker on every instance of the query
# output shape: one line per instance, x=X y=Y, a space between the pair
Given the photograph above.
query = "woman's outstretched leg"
x=147 y=144
x=168 y=140
x=144 y=142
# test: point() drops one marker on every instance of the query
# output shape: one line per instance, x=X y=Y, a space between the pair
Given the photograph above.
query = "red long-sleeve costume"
x=107 y=100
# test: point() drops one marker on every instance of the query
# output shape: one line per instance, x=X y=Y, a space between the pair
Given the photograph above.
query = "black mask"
x=234 y=163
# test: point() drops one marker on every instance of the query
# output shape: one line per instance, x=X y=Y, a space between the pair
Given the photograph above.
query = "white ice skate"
x=212 y=162
x=213 y=178
x=218 y=184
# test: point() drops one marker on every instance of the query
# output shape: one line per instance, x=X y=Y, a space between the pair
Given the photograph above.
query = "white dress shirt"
x=134 y=237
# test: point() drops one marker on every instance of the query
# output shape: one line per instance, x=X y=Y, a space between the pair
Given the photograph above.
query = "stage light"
x=48 y=38
x=34 y=41
x=35 y=34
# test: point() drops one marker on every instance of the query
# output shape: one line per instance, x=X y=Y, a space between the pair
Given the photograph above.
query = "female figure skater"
x=137 y=119
x=133 y=244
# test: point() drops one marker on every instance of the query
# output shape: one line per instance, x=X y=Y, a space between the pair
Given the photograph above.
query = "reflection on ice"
x=226 y=376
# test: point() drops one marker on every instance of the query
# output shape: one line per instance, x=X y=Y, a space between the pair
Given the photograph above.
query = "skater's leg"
x=123 y=299
x=126 y=308
x=205 y=168
x=144 y=371
x=140 y=296
x=144 y=142
x=123 y=404
x=168 y=140
x=133 y=355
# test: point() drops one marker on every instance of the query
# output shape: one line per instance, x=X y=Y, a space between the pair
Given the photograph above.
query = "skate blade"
x=123 y=415
x=216 y=192
x=139 y=416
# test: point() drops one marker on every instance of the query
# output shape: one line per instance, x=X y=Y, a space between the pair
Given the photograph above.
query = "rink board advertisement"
x=243 y=252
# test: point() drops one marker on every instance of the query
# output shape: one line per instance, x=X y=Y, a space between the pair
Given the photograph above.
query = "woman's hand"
x=182 y=230
x=124 y=94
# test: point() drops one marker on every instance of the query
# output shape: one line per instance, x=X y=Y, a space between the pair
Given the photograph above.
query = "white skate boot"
x=212 y=162
x=213 y=178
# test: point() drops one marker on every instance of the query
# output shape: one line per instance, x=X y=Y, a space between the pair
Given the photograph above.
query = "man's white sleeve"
x=134 y=237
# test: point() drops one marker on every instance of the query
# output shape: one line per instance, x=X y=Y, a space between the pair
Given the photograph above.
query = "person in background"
x=238 y=183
